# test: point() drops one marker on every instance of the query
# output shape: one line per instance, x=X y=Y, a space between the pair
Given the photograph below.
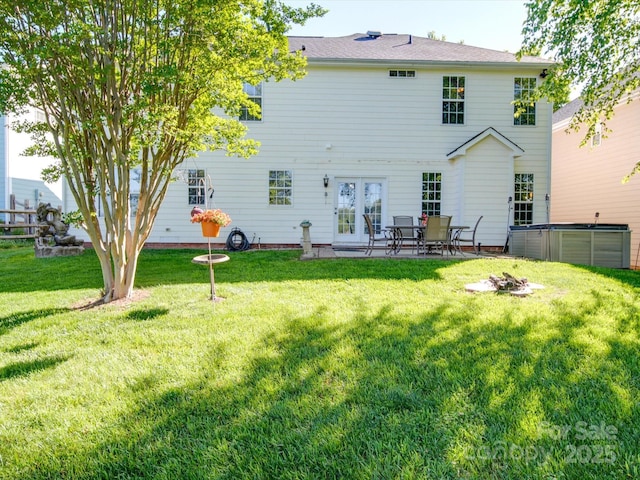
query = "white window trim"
x=290 y=197
x=535 y=105
x=463 y=101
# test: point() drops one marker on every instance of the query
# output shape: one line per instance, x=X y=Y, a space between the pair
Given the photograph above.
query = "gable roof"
x=489 y=132
x=403 y=48
x=567 y=111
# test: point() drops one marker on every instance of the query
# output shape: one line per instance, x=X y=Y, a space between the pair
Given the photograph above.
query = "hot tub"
x=603 y=245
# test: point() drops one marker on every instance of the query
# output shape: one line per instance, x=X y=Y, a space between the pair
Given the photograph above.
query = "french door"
x=356 y=196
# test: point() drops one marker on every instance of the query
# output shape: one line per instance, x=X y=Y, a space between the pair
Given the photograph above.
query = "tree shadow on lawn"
x=448 y=394
x=13 y=320
x=24 y=368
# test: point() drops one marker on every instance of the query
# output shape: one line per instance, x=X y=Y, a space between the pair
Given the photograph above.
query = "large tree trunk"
x=125 y=273
x=119 y=268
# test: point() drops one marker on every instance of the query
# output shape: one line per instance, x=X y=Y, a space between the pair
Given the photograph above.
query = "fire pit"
x=505 y=284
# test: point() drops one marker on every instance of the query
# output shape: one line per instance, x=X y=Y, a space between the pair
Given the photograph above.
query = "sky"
x=494 y=24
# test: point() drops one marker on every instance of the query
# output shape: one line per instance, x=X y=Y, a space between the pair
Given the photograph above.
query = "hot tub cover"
x=572 y=226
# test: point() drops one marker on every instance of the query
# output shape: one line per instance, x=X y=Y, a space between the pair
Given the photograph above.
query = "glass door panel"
x=373 y=205
x=346 y=210
x=354 y=197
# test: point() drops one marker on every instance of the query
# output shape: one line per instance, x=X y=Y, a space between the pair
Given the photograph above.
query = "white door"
x=355 y=197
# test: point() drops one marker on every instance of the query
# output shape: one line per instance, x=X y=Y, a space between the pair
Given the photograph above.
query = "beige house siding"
x=588 y=179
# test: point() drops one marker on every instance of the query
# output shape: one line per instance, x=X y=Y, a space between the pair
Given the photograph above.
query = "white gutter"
x=427 y=63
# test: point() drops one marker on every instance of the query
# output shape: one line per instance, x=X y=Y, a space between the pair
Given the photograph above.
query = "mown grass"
x=363 y=369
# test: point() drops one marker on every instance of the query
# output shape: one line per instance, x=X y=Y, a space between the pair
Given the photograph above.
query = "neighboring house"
x=386 y=125
x=20 y=175
x=587 y=180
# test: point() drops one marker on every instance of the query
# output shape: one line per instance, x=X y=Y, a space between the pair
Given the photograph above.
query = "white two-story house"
x=385 y=125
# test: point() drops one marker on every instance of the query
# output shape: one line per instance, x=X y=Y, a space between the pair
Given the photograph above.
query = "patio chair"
x=436 y=236
x=373 y=239
x=410 y=235
x=471 y=238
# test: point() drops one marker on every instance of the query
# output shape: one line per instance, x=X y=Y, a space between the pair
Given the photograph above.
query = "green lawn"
x=324 y=369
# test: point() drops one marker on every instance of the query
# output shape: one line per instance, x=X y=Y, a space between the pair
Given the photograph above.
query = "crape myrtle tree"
x=596 y=44
x=137 y=84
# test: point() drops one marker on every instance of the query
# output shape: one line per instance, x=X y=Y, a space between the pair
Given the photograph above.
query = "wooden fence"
x=21 y=216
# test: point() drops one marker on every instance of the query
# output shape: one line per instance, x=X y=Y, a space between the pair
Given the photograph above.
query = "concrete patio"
x=359 y=252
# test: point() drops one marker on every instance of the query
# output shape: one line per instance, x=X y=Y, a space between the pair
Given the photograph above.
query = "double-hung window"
x=453 y=100
x=524 y=108
x=431 y=193
x=254 y=92
x=523 y=202
x=196 y=182
x=280 y=187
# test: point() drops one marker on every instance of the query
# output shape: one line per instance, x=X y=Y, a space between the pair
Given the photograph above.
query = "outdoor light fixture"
x=544 y=73
x=325 y=181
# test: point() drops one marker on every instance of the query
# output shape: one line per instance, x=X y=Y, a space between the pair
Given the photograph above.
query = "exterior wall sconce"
x=544 y=73
x=325 y=181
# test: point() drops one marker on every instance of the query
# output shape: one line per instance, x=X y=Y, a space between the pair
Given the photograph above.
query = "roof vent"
x=374 y=33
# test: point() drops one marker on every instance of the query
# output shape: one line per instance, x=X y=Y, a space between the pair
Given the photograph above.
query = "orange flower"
x=212 y=216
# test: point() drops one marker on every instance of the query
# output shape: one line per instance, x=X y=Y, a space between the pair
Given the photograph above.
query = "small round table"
x=211 y=260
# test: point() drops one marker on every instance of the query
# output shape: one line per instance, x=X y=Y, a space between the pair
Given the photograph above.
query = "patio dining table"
x=395 y=240
x=396 y=237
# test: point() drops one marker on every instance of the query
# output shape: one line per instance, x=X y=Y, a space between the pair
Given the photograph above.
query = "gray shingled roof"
x=567 y=111
x=402 y=48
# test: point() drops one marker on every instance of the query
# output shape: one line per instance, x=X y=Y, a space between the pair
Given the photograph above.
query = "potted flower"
x=423 y=219
x=210 y=220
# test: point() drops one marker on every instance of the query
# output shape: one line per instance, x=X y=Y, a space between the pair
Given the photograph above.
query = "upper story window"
x=40 y=116
x=280 y=187
x=431 y=193
x=402 y=73
x=196 y=182
x=255 y=95
x=452 y=100
x=523 y=202
x=524 y=111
